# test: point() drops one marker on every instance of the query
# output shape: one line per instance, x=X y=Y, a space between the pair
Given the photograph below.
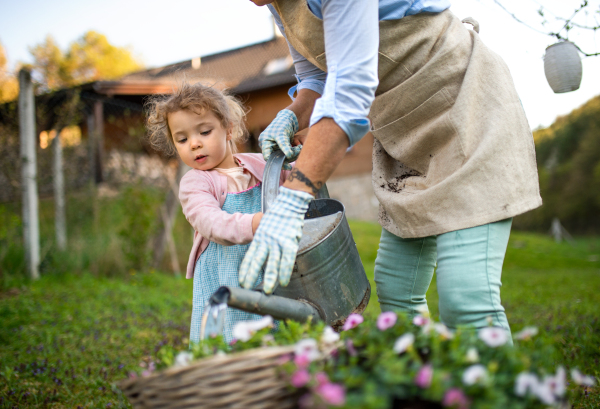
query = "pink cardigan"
x=202 y=194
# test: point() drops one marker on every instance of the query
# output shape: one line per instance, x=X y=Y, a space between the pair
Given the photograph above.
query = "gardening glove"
x=280 y=133
x=277 y=239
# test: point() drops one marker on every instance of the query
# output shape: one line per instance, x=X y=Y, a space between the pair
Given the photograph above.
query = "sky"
x=161 y=33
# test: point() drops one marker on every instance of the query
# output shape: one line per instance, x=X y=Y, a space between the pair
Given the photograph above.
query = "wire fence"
x=115 y=189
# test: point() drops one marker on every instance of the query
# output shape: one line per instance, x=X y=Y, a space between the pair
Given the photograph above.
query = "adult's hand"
x=280 y=134
x=276 y=241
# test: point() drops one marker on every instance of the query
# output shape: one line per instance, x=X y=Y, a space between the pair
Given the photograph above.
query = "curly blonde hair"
x=198 y=98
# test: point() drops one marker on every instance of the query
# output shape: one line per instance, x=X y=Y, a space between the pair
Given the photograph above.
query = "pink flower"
x=332 y=393
x=350 y=347
x=386 y=320
x=424 y=376
x=455 y=398
x=322 y=378
x=132 y=375
x=300 y=378
x=352 y=321
x=420 y=320
x=301 y=361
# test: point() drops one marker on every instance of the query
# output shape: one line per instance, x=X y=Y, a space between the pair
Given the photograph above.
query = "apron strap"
x=473 y=22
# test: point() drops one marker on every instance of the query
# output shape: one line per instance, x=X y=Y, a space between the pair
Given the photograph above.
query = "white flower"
x=526 y=333
x=183 y=359
x=443 y=330
x=526 y=382
x=475 y=374
x=544 y=392
x=329 y=336
x=404 y=342
x=308 y=348
x=558 y=382
x=243 y=330
x=472 y=355
x=493 y=336
x=581 y=379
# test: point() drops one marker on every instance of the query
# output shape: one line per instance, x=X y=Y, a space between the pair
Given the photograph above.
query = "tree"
x=89 y=58
x=9 y=85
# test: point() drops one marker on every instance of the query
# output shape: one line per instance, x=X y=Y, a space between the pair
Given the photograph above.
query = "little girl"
x=220 y=195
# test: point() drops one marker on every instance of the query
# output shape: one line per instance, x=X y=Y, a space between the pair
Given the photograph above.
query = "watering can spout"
x=257 y=302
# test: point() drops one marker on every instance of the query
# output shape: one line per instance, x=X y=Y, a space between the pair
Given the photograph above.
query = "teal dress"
x=218 y=266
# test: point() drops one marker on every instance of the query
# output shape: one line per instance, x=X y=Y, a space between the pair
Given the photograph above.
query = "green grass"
x=67 y=338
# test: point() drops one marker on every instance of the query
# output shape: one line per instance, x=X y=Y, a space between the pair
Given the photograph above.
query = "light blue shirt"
x=351 y=44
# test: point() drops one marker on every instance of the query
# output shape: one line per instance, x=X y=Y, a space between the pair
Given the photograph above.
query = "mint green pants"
x=469 y=267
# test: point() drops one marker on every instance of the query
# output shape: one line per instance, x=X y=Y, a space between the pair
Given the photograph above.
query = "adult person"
x=453 y=156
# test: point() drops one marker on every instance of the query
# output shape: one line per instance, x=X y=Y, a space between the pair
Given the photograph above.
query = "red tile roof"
x=240 y=70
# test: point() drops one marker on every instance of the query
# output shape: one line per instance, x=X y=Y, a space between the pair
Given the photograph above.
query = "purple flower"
x=455 y=398
x=352 y=321
x=423 y=378
x=386 y=320
x=332 y=393
x=300 y=378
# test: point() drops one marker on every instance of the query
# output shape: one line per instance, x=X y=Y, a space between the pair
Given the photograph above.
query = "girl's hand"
x=256 y=221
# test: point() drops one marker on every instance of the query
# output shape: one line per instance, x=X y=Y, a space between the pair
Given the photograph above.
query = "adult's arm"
x=339 y=117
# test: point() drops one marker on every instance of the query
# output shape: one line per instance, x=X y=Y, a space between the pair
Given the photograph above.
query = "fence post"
x=27 y=136
x=99 y=139
x=167 y=216
x=58 y=180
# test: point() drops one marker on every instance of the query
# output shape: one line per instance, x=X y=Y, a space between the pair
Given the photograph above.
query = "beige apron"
x=452 y=148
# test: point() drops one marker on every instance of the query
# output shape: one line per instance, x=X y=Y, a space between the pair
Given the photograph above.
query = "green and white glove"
x=276 y=241
x=280 y=133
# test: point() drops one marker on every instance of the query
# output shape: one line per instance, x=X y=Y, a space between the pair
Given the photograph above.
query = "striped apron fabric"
x=218 y=266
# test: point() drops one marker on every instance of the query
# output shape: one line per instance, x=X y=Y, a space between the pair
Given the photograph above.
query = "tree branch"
x=568 y=25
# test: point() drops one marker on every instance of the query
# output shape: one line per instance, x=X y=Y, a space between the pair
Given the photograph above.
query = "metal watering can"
x=328 y=281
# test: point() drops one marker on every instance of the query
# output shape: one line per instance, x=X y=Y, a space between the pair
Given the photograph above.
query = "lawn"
x=67 y=338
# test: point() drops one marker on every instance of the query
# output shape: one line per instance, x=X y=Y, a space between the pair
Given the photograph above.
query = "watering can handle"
x=271 y=177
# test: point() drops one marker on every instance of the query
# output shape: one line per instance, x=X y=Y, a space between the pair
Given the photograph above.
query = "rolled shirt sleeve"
x=351 y=44
x=308 y=75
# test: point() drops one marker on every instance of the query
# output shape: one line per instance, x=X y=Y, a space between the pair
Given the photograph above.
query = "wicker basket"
x=562 y=66
x=244 y=380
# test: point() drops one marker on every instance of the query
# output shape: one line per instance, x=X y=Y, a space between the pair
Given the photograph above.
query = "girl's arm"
x=255 y=221
x=203 y=212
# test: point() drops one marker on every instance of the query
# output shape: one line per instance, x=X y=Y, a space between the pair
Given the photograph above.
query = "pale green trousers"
x=469 y=267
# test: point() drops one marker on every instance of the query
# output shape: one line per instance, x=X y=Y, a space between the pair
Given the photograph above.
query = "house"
x=259 y=74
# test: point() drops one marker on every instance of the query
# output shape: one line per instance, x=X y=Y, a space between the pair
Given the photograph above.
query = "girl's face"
x=200 y=139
